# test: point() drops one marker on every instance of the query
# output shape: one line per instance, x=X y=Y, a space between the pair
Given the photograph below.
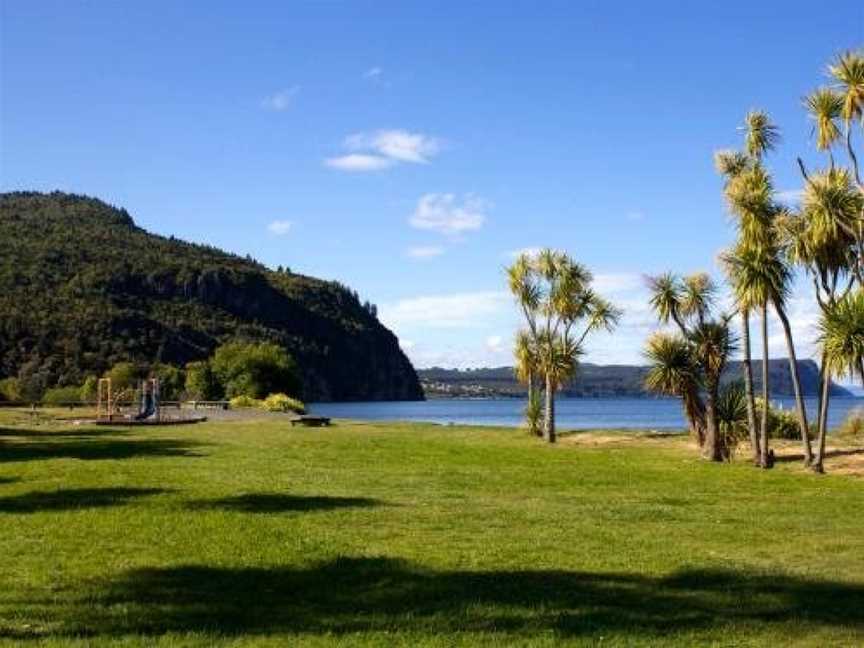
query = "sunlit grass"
x=396 y=534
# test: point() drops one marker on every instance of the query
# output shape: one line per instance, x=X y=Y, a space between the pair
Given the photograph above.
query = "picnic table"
x=310 y=421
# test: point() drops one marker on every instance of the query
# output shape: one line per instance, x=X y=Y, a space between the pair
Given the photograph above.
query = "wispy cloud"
x=280 y=227
x=445 y=214
x=529 y=251
x=425 y=251
x=457 y=310
x=790 y=196
x=359 y=162
x=281 y=100
x=385 y=148
x=635 y=215
x=373 y=73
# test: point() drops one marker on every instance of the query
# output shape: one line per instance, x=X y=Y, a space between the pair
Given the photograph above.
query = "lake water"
x=572 y=413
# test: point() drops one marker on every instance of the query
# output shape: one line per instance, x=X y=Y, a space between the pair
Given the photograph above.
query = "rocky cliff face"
x=81 y=287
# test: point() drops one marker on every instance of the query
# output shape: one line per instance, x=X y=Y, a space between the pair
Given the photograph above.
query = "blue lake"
x=572 y=413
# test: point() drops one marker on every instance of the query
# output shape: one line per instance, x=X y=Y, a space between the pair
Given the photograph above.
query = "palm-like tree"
x=750 y=194
x=555 y=296
x=673 y=371
x=825 y=107
x=842 y=336
x=527 y=369
x=848 y=73
x=713 y=343
x=821 y=238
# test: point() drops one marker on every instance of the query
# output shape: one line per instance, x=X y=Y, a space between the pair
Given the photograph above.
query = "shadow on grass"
x=72 y=498
x=88 y=445
x=786 y=458
x=82 y=433
x=352 y=595
x=9 y=480
x=275 y=503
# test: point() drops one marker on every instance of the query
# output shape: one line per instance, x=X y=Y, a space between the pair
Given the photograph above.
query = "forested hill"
x=607 y=380
x=82 y=287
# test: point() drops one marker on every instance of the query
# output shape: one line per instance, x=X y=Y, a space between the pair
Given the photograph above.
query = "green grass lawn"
x=257 y=533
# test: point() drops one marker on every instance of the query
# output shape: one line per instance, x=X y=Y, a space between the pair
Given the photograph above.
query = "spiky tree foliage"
x=825 y=108
x=560 y=308
x=842 y=336
x=673 y=371
x=848 y=73
x=761 y=135
x=761 y=267
x=732 y=415
x=713 y=343
x=527 y=370
x=691 y=361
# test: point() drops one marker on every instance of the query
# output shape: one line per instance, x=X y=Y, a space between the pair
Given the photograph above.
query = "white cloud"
x=425 y=251
x=279 y=227
x=385 y=148
x=458 y=310
x=530 y=251
x=611 y=283
x=635 y=215
x=281 y=100
x=493 y=342
x=443 y=213
x=359 y=162
x=373 y=73
x=400 y=145
x=790 y=197
x=406 y=345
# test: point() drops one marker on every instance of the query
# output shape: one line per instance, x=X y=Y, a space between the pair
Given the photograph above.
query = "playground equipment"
x=149 y=409
x=149 y=406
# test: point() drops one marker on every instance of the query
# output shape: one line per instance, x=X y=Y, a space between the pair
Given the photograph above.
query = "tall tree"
x=560 y=308
x=691 y=361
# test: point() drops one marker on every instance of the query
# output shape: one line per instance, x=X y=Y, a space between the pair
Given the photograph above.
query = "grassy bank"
x=414 y=534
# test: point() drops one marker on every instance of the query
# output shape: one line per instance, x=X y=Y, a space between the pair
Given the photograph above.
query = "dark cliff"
x=82 y=287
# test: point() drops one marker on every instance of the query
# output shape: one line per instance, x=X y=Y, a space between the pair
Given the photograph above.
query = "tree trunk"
x=796 y=385
x=531 y=389
x=549 y=423
x=748 y=385
x=713 y=445
x=695 y=413
x=819 y=463
x=764 y=461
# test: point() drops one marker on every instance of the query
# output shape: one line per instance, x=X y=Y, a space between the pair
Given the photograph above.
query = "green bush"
x=62 y=395
x=283 y=403
x=782 y=424
x=240 y=402
x=124 y=376
x=853 y=425
x=255 y=370
x=171 y=381
x=10 y=389
x=89 y=389
x=201 y=384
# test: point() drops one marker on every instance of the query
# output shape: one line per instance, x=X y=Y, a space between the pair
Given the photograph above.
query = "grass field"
x=364 y=534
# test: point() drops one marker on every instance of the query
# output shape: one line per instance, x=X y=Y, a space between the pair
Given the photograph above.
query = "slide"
x=148 y=407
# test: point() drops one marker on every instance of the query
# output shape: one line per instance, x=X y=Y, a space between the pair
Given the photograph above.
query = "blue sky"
x=407 y=149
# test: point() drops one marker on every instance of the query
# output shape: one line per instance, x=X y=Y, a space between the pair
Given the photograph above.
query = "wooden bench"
x=310 y=421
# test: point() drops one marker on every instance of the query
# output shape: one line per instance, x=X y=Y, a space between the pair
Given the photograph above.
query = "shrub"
x=10 y=389
x=853 y=424
x=283 y=403
x=124 y=376
x=201 y=384
x=171 y=380
x=782 y=424
x=89 y=389
x=534 y=414
x=239 y=402
x=62 y=395
x=255 y=370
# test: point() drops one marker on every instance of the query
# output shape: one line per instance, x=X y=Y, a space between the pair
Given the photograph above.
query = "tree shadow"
x=9 y=480
x=277 y=503
x=83 y=433
x=72 y=498
x=787 y=458
x=350 y=595
x=95 y=448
